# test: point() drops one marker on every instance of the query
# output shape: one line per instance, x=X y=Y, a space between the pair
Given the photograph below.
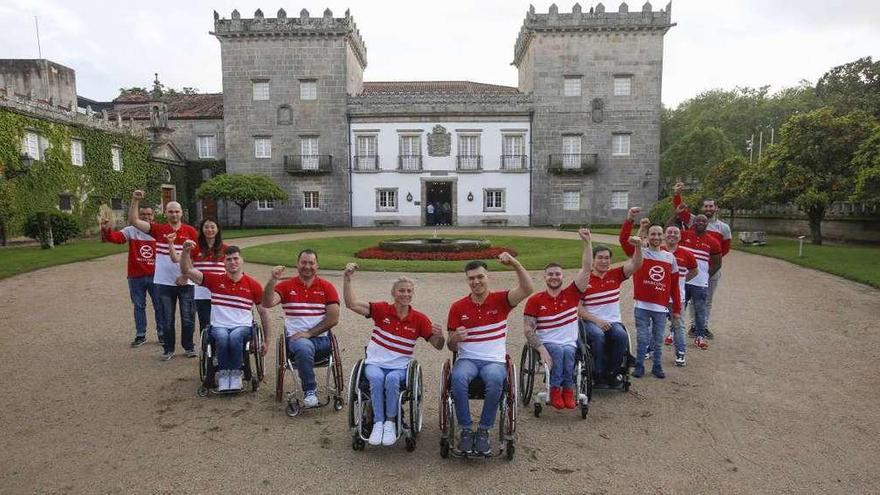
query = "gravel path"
x=785 y=401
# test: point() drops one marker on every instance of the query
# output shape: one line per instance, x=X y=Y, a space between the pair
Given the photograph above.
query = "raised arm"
x=633 y=264
x=524 y=285
x=270 y=297
x=172 y=251
x=351 y=302
x=582 y=278
x=626 y=230
x=133 y=218
x=110 y=235
x=684 y=214
x=186 y=264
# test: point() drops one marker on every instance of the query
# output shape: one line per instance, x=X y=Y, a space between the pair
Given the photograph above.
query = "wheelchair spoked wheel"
x=510 y=413
x=259 y=364
x=204 y=365
x=415 y=398
x=447 y=429
x=281 y=361
x=338 y=377
x=527 y=377
x=352 y=396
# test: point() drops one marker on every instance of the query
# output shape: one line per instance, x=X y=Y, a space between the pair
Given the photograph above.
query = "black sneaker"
x=138 y=341
x=482 y=444
x=709 y=334
x=658 y=372
x=466 y=441
x=692 y=331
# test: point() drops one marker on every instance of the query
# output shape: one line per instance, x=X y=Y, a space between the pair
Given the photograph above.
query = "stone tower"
x=595 y=80
x=285 y=85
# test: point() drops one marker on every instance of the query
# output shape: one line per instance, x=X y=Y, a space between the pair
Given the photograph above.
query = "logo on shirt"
x=222 y=285
x=464 y=317
x=543 y=307
x=146 y=252
x=293 y=293
x=386 y=321
x=656 y=273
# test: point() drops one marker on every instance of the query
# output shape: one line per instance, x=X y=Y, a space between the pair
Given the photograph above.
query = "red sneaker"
x=568 y=398
x=556 y=398
x=668 y=339
x=701 y=343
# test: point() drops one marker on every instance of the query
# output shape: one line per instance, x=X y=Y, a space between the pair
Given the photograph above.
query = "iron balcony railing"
x=573 y=163
x=409 y=163
x=366 y=163
x=308 y=164
x=469 y=163
x=514 y=163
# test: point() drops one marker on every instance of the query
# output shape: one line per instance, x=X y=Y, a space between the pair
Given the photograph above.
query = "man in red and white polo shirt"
x=687 y=269
x=707 y=252
x=141 y=266
x=173 y=286
x=396 y=328
x=478 y=333
x=551 y=324
x=311 y=309
x=233 y=296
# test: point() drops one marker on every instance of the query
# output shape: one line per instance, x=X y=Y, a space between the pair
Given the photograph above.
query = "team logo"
x=464 y=317
x=146 y=252
x=386 y=321
x=293 y=293
x=492 y=312
x=543 y=307
x=656 y=273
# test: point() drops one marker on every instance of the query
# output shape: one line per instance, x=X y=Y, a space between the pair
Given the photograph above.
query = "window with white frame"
x=265 y=204
x=571 y=200
x=386 y=199
x=262 y=147
x=619 y=200
x=571 y=151
x=65 y=202
x=116 y=157
x=30 y=145
x=620 y=144
x=572 y=86
x=309 y=147
x=310 y=200
x=493 y=199
x=261 y=90
x=469 y=151
x=410 y=152
x=308 y=89
x=513 y=151
x=366 y=158
x=76 y=152
x=622 y=85
x=207 y=146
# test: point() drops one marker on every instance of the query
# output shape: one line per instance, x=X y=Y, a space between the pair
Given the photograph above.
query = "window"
x=494 y=199
x=65 y=202
x=30 y=145
x=386 y=199
x=308 y=90
x=512 y=151
x=265 y=204
x=262 y=147
x=410 y=152
x=116 y=157
x=366 y=153
x=207 y=173
x=261 y=90
x=571 y=200
x=622 y=85
x=116 y=204
x=76 y=152
x=572 y=86
x=620 y=144
x=469 y=152
x=310 y=200
x=309 y=146
x=619 y=200
x=571 y=151
x=207 y=146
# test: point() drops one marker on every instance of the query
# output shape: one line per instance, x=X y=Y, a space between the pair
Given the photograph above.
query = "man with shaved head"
x=173 y=286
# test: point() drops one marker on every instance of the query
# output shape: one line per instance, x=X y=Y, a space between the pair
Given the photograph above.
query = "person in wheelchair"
x=551 y=324
x=478 y=334
x=311 y=309
x=233 y=295
x=396 y=329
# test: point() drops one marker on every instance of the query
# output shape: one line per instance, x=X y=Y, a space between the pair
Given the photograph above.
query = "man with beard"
x=707 y=252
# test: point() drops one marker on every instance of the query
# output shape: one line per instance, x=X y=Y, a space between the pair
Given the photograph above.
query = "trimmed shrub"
x=64 y=226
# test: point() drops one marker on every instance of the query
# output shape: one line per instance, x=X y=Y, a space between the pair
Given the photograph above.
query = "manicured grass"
x=16 y=260
x=239 y=233
x=857 y=263
x=615 y=231
x=334 y=253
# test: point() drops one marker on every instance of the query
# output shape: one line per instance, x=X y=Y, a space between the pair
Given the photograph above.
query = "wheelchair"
x=531 y=365
x=252 y=362
x=409 y=406
x=333 y=381
x=476 y=391
x=623 y=374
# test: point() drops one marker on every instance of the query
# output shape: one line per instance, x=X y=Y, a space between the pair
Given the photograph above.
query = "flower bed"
x=380 y=254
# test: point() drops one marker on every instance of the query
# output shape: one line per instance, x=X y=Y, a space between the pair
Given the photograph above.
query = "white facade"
x=484 y=178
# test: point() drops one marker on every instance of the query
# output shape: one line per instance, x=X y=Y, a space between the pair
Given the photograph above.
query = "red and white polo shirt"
x=304 y=307
x=206 y=262
x=394 y=339
x=702 y=247
x=657 y=281
x=231 y=301
x=141 y=249
x=686 y=262
x=486 y=324
x=557 y=316
x=167 y=271
x=602 y=297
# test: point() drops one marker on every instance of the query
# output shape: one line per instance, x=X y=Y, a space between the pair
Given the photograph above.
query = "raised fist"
x=633 y=213
x=277 y=271
x=681 y=208
x=645 y=222
x=350 y=268
x=505 y=258
x=584 y=234
x=105 y=224
x=171 y=237
x=137 y=194
x=188 y=245
x=635 y=241
x=679 y=187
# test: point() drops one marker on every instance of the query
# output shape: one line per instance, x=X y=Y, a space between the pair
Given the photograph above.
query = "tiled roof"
x=435 y=87
x=197 y=106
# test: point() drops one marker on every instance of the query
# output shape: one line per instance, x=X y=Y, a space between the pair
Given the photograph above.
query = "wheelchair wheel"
x=352 y=394
x=509 y=449
x=281 y=362
x=338 y=403
x=526 y=374
x=414 y=379
x=338 y=377
x=357 y=444
x=293 y=408
x=444 y=448
x=259 y=364
x=410 y=444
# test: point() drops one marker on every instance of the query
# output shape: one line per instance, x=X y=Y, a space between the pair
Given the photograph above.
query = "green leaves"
x=240 y=188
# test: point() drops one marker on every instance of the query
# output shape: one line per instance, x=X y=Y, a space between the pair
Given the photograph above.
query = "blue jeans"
x=229 y=346
x=305 y=352
x=203 y=309
x=697 y=295
x=650 y=326
x=384 y=390
x=613 y=344
x=562 y=372
x=676 y=328
x=138 y=288
x=493 y=374
x=170 y=295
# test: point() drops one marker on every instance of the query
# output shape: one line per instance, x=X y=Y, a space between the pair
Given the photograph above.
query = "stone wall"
x=850 y=230
x=39 y=80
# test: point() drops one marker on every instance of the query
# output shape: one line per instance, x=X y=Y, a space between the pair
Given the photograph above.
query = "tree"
x=867 y=160
x=723 y=184
x=241 y=189
x=851 y=87
x=812 y=164
x=693 y=155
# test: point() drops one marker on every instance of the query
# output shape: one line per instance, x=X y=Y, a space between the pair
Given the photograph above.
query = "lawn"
x=857 y=263
x=334 y=253
x=239 y=233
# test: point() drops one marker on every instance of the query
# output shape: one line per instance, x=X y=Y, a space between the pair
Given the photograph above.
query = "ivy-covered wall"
x=89 y=185
x=194 y=179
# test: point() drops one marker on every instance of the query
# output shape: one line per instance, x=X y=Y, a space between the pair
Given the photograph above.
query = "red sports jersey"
x=394 y=339
x=623 y=238
x=167 y=271
x=656 y=281
x=702 y=247
x=231 y=301
x=207 y=263
x=602 y=297
x=486 y=324
x=719 y=230
x=557 y=316
x=304 y=307
x=141 y=249
x=686 y=262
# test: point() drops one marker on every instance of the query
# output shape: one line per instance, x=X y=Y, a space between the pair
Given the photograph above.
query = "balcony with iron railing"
x=514 y=163
x=308 y=164
x=366 y=163
x=409 y=163
x=573 y=163
x=469 y=163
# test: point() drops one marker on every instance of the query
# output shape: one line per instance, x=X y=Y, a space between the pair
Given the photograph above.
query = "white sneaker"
x=311 y=398
x=235 y=379
x=389 y=433
x=223 y=380
x=376 y=435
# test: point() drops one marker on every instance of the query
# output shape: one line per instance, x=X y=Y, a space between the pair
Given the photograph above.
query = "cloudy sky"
x=717 y=44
